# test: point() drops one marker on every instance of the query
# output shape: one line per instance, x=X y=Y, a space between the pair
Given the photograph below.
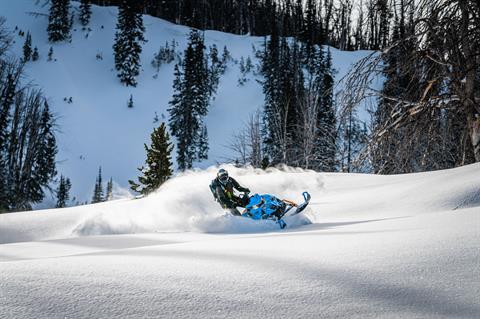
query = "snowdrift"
x=403 y=246
x=185 y=204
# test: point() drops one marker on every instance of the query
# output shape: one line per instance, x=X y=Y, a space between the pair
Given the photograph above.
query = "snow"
x=403 y=246
x=98 y=129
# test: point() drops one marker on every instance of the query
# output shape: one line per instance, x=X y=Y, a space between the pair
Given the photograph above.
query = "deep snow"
x=98 y=129
x=405 y=246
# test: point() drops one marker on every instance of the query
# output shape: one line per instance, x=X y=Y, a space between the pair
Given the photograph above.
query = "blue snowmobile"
x=270 y=207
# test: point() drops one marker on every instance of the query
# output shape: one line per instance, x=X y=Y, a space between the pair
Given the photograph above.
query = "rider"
x=222 y=188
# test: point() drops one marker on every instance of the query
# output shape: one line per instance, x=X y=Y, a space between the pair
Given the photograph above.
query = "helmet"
x=222 y=176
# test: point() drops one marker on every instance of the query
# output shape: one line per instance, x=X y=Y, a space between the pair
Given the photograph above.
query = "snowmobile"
x=270 y=207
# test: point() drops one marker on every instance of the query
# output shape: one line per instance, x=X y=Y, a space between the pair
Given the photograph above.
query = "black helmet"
x=222 y=176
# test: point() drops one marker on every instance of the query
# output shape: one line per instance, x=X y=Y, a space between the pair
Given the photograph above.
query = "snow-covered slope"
x=405 y=246
x=97 y=128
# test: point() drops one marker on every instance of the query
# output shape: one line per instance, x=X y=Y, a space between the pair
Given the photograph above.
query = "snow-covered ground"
x=97 y=128
x=405 y=246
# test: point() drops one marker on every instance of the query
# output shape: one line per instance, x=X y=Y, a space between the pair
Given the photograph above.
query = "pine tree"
x=8 y=87
x=189 y=104
x=85 y=12
x=203 y=144
x=31 y=170
x=27 y=48
x=109 y=195
x=63 y=192
x=98 y=190
x=248 y=65
x=226 y=57
x=158 y=166
x=27 y=142
x=43 y=167
x=180 y=115
x=353 y=136
x=59 y=21
x=50 y=54
x=309 y=35
x=127 y=47
x=35 y=55
x=271 y=90
x=325 y=148
x=216 y=67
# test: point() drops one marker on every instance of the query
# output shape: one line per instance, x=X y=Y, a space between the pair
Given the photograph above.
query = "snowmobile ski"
x=300 y=208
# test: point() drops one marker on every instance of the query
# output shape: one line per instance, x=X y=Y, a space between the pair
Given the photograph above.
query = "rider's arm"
x=238 y=187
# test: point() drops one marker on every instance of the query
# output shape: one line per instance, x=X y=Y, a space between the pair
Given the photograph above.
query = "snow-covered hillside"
x=405 y=246
x=97 y=128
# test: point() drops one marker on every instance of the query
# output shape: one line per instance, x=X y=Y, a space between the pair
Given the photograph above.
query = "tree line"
x=345 y=24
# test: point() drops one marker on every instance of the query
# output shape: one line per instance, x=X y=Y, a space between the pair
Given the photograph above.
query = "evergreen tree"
x=216 y=67
x=128 y=39
x=63 y=192
x=158 y=166
x=309 y=34
x=59 y=21
x=45 y=166
x=31 y=162
x=8 y=87
x=226 y=57
x=248 y=65
x=27 y=48
x=353 y=136
x=271 y=89
x=180 y=117
x=109 y=195
x=50 y=54
x=85 y=12
x=35 y=55
x=325 y=146
x=203 y=144
x=242 y=65
x=189 y=104
x=27 y=141
x=98 y=190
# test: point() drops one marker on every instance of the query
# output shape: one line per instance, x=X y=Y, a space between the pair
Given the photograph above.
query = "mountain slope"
x=97 y=128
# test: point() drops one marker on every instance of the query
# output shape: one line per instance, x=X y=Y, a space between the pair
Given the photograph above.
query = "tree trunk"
x=474 y=132
x=471 y=107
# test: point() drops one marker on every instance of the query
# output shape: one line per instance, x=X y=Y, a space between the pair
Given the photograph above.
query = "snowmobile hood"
x=255 y=201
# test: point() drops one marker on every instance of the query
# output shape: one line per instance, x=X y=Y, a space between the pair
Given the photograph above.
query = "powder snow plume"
x=182 y=204
x=185 y=203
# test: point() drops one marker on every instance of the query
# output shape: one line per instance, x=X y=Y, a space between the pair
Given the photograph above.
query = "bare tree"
x=247 y=144
x=254 y=128
x=308 y=128
x=432 y=120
